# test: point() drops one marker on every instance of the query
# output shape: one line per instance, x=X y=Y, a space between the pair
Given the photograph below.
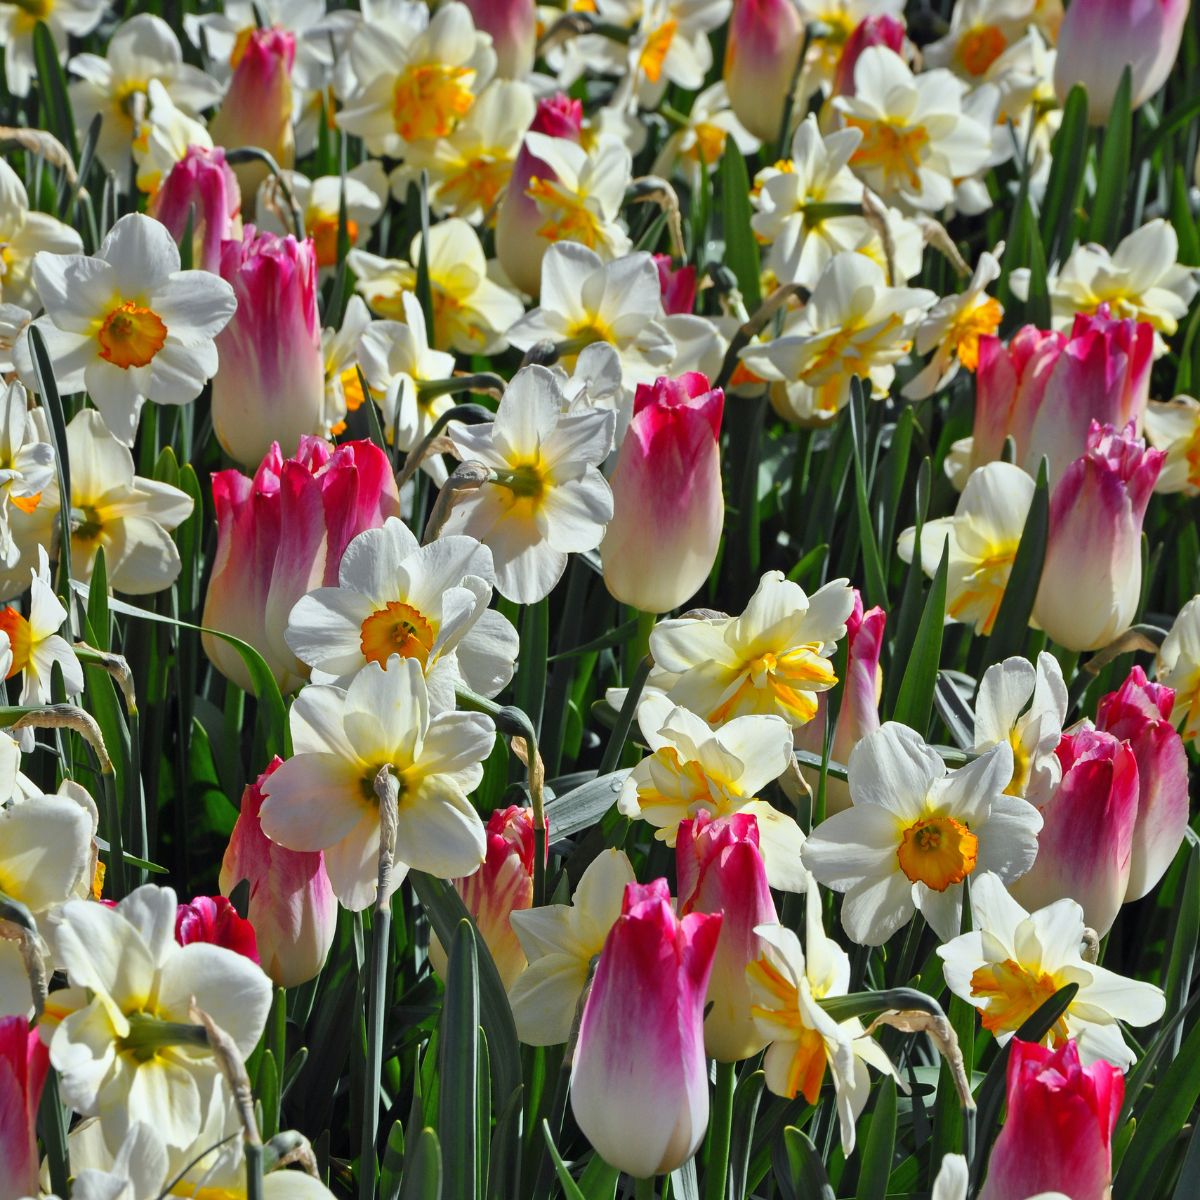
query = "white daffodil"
x=915 y=831
x=470 y=311
x=1013 y=961
x=693 y=767
x=585 y=300
x=23 y=233
x=1178 y=667
x=114 y=1032
x=14 y=320
x=223 y=36
x=415 y=85
x=395 y=596
x=916 y=138
x=786 y=984
x=545 y=497
x=1175 y=428
x=324 y=797
x=697 y=146
x=163 y=136
x=561 y=942
x=63 y=18
x=26 y=465
x=143 y=48
x=128 y=325
x=831 y=23
x=340 y=353
x=983 y=536
x=953 y=328
x=854 y=325
x=980 y=32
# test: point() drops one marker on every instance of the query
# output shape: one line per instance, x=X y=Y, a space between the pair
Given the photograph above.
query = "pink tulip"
x=201 y=183
x=876 y=30
x=513 y=26
x=720 y=870
x=1092 y=575
x=1139 y=712
x=24 y=1059
x=257 y=109
x=639 y=1083
x=214 y=920
x=678 y=285
x=1099 y=38
x=668 y=507
x=761 y=56
x=1086 y=842
x=270 y=385
x=1057 y=1136
x=292 y=906
x=281 y=534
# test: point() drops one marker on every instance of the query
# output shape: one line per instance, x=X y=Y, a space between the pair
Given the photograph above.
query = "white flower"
x=324 y=797
x=1178 y=667
x=163 y=137
x=980 y=32
x=26 y=465
x=64 y=18
x=561 y=941
x=547 y=498
x=22 y=234
x=1013 y=961
x=915 y=831
x=698 y=145
x=111 y=1032
x=1175 y=428
x=340 y=352
x=983 y=536
x=693 y=767
x=14 y=320
x=223 y=36
x=128 y=325
x=670 y=45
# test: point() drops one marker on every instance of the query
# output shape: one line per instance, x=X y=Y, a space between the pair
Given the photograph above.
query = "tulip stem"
x=643 y=1189
x=716 y=1176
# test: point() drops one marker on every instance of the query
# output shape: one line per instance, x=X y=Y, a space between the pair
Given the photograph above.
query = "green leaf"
x=583 y=806
x=804 y=1177
x=876 y=586
x=458 y=1072
x=1112 y=170
x=741 y=249
x=914 y=703
x=741 y=1135
x=52 y=82
x=267 y=1094
x=423 y=1179
x=860 y=1004
x=599 y=1180
x=570 y=1188
x=1067 y=170
x=1184 y=936
x=48 y=390
x=880 y=1146
x=391 y=1175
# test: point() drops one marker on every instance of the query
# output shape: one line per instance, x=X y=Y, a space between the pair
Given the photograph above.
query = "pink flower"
x=1092 y=575
x=213 y=919
x=270 y=385
x=720 y=870
x=24 y=1059
x=639 y=1083
x=204 y=183
x=882 y=30
x=1086 y=842
x=1057 y=1136
x=513 y=26
x=668 y=507
x=281 y=534
x=678 y=285
x=761 y=56
x=1139 y=712
x=292 y=906
x=1099 y=38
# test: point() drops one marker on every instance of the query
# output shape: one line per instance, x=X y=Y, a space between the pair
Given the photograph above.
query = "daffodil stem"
x=643 y=1189
x=254 y=1172
x=716 y=1176
x=381 y=935
x=616 y=741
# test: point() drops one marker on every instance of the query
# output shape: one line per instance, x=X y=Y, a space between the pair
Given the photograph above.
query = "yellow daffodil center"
x=351 y=389
x=938 y=852
x=853 y=350
x=1191 y=453
x=978 y=321
x=30 y=12
x=986 y=585
x=894 y=149
x=527 y=481
x=400 y=629
x=709 y=144
x=20 y=639
x=430 y=99
x=655 y=51
x=774 y=681
x=323 y=228
x=479 y=182
x=1014 y=994
x=979 y=48
x=452 y=319
x=1022 y=765
x=131 y=335
x=570 y=219
x=806 y=1070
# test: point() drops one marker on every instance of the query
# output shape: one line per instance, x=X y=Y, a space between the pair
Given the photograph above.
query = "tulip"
x=678 y=285
x=1092 y=574
x=761 y=57
x=1086 y=842
x=639 y=1083
x=1057 y=1136
x=720 y=870
x=214 y=920
x=292 y=906
x=668 y=507
x=1139 y=712
x=281 y=534
x=257 y=109
x=201 y=186
x=270 y=385
x=875 y=30
x=24 y=1059
x=1098 y=39
x=513 y=26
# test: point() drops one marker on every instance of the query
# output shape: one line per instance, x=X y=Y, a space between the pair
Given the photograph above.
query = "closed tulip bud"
x=678 y=285
x=639 y=1083
x=761 y=57
x=257 y=109
x=875 y=30
x=1057 y=1136
x=1139 y=712
x=1086 y=841
x=281 y=534
x=24 y=1059
x=270 y=385
x=513 y=26
x=214 y=920
x=668 y=507
x=1098 y=39
x=720 y=870
x=200 y=186
x=1092 y=575
x=292 y=906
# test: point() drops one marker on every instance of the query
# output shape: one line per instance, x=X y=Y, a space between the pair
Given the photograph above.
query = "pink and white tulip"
x=762 y=53
x=719 y=869
x=513 y=27
x=201 y=183
x=1057 y=1136
x=281 y=534
x=292 y=906
x=668 y=507
x=678 y=285
x=1092 y=574
x=639 y=1082
x=24 y=1059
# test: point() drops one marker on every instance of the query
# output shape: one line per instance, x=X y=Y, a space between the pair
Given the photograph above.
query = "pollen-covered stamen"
x=938 y=852
x=131 y=335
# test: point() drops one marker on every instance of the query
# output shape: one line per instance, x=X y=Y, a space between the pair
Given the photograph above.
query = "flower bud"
x=24 y=1059
x=678 y=285
x=639 y=1083
x=875 y=30
x=270 y=384
x=668 y=507
x=761 y=56
x=214 y=920
x=201 y=185
x=513 y=26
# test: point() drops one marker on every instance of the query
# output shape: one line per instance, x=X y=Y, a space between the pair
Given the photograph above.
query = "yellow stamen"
x=131 y=335
x=938 y=852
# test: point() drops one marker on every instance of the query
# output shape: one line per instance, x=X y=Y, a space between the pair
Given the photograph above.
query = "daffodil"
x=1175 y=428
x=980 y=32
x=23 y=233
x=26 y=465
x=163 y=136
x=1179 y=668
x=63 y=18
x=340 y=349
x=698 y=145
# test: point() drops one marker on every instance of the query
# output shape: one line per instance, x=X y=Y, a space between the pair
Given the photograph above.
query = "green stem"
x=639 y=644
x=381 y=936
x=643 y=1189
x=53 y=1122
x=716 y=1176
x=254 y=1172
